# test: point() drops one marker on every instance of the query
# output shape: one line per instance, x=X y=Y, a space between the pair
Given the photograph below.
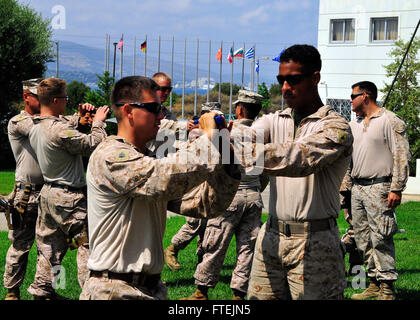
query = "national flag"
x=143 y=46
x=238 y=53
x=257 y=66
x=278 y=57
x=120 y=44
x=219 y=54
x=250 y=53
x=230 y=56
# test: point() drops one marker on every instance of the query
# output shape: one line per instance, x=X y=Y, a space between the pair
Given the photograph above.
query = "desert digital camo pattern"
x=62 y=216
x=306 y=171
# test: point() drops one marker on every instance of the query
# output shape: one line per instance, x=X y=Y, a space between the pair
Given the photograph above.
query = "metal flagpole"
x=231 y=83
x=106 y=52
x=183 y=77
x=172 y=73
x=253 y=69
x=208 y=77
x=158 y=67
x=145 y=58
x=134 y=57
x=122 y=57
x=220 y=74
x=196 y=80
x=243 y=66
x=115 y=57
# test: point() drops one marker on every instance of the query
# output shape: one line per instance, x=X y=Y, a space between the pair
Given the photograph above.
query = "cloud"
x=260 y=14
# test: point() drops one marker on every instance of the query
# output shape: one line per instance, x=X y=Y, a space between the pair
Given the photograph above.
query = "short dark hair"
x=252 y=109
x=307 y=55
x=130 y=89
x=368 y=87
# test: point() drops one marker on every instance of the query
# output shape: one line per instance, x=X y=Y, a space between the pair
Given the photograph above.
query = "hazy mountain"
x=82 y=63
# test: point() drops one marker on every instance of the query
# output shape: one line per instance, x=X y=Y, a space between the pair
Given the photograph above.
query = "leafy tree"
x=404 y=99
x=76 y=91
x=25 y=48
x=101 y=96
x=263 y=90
x=226 y=88
x=275 y=90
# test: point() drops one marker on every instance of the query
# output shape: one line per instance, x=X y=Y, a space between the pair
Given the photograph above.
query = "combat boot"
x=387 y=291
x=13 y=294
x=371 y=292
x=199 y=294
x=171 y=258
x=238 y=295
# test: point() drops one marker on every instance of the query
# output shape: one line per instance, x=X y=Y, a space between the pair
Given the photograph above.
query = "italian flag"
x=238 y=53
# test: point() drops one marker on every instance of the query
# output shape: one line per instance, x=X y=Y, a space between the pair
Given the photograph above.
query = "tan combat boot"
x=371 y=292
x=197 y=295
x=13 y=294
x=387 y=291
x=171 y=258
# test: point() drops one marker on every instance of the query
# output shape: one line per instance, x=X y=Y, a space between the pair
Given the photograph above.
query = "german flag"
x=143 y=46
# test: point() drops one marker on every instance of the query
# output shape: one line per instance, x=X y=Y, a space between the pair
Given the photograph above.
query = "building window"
x=384 y=29
x=342 y=30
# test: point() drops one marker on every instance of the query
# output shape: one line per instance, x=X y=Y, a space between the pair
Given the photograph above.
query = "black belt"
x=62 y=186
x=149 y=281
x=289 y=228
x=368 y=182
x=34 y=187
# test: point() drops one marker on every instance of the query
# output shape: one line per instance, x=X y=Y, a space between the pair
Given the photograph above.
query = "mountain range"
x=82 y=63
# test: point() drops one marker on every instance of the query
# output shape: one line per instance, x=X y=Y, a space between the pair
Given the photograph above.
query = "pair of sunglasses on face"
x=292 y=79
x=165 y=89
x=153 y=107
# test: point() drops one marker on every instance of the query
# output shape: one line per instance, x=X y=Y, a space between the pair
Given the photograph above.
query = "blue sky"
x=270 y=25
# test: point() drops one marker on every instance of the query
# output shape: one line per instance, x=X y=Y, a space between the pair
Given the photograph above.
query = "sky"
x=270 y=25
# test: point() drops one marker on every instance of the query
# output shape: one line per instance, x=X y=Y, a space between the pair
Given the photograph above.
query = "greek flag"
x=257 y=66
x=250 y=53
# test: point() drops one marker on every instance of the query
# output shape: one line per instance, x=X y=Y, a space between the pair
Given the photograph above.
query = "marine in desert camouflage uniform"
x=298 y=254
x=242 y=218
x=129 y=192
x=379 y=172
x=62 y=221
x=193 y=227
x=27 y=174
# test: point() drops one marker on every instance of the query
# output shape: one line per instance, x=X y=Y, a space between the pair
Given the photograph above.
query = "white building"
x=354 y=39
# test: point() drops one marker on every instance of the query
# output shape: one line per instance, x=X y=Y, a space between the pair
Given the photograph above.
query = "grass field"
x=181 y=283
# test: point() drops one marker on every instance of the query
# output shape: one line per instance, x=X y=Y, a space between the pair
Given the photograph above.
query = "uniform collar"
x=245 y=122
x=319 y=114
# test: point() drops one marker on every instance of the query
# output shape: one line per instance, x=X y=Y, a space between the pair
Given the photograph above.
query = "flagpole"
x=253 y=67
x=208 y=77
x=243 y=65
x=258 y=73
x=115 y=58
x=196 y=79
x=106 y=52
x=183 y=77
x=145 y=59
x=158 y=69
x=231 y=82
x=220 y=74
x=172 y=72
x=122 y=57
x=134 y=57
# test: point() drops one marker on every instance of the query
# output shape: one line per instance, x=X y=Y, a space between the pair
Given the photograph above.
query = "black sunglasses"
x=354 y=96
x=165 y=89
x=153 y=107
x=65 y=97
x=292 y=79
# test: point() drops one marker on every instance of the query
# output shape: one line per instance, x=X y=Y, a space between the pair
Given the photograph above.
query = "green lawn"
x=181 y=283
x=7 y=180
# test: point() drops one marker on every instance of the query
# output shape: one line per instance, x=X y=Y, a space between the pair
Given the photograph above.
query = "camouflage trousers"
x=62 y=216
x=112 y=289
x=192 y=228
x=374 y=226
x=307 y=266
x=22 y=239
x=242 y=219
